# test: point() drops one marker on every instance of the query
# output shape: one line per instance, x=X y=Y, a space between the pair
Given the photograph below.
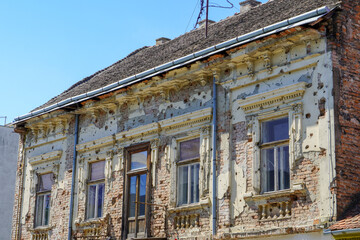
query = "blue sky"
x=46 y=46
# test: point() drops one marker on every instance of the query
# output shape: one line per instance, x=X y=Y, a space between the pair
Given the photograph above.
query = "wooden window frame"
x=129 y=173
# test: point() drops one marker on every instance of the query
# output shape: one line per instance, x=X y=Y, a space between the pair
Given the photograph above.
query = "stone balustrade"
x=186 y=221
x=273 y=211
x=40 y=236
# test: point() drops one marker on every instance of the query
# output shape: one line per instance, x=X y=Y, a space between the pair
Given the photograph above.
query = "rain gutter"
x=214 y=147
x=302 y=19
x=343 y=231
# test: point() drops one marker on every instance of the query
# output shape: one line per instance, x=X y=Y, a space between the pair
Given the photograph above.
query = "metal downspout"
x=73 y=176
x=214 y=123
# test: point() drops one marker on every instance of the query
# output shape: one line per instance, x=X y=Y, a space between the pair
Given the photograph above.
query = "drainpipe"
x=214 y=212
x=73 y=176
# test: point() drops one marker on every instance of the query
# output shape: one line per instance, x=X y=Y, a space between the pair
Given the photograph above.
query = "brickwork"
x=344 y=43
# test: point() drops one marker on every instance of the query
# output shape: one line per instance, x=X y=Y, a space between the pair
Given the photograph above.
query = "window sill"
x=297 y=189
x=90 y=222
x=195 y=206
x=42 y=228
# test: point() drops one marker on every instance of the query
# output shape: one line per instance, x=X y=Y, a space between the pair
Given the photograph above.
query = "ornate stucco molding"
x=276 y=97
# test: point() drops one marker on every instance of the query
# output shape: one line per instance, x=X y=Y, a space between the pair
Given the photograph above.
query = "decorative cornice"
x=200 y=116
x=145 y=130
x=275 y=97
x=51 y=156
x=101 y=142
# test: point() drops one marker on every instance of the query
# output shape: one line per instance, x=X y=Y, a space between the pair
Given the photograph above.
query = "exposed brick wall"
x=345 y=44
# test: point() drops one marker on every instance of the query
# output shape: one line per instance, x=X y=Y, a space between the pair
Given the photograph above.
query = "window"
x=43 y=194
x=188 y=171
x=137 y=191
x=275 y=155
x=96 y=187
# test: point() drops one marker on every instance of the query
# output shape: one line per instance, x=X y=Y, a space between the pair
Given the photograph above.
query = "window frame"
x=128 y=173
x=42 y=194
x=275 y=145
x=96 y=183
x=187 y=162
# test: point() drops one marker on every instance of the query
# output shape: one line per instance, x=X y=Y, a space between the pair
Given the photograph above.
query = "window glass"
x=46 y=181
x=283 y=163
x=194 y=191
x=47 y=209
x=269 y=169
x=138 y=160
x=97 y=170
x=183 y=185
x=91 y=201
x=132 y=196
x=189 y=149
x=100 y=200
x=39 y=210
x=275 y=130
x=142 y=194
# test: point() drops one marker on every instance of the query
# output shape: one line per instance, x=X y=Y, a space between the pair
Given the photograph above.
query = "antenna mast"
x=207 y=18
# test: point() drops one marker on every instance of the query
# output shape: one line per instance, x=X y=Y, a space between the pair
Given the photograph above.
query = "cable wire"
x=192 y=15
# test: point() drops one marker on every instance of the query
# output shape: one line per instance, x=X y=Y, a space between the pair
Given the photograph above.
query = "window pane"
x=91 y=201
x=283 y=165
x=47 y=209
x=100 y=200
x=268 y=169
x=194 y=171
x=39 y=210
x=97 y=170
x=275 y=130
x=190 y=149
x=46 y=181
x=183 y=185
x=132 y=196
x=138 y=160
x=142 y=194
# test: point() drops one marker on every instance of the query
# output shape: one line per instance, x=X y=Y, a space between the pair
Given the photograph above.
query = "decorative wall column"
x=108 y=169
x=154 y=158
x=205 y=166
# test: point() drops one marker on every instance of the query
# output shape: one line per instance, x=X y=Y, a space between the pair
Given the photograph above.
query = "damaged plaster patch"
x=238 y=189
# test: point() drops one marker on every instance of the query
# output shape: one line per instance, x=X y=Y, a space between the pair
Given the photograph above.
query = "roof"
x=351 y=217
x=149 y=57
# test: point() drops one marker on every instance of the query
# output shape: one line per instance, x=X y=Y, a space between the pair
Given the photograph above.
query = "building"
x=250 y=132
x=9 y=143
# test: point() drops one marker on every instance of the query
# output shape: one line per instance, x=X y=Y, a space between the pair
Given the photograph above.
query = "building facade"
x=250 y=132
x=9 y=142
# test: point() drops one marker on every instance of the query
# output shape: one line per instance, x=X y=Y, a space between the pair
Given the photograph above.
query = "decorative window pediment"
x=47 y=157
x=273 y=98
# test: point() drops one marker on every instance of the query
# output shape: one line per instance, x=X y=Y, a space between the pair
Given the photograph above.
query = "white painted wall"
x=9 y=143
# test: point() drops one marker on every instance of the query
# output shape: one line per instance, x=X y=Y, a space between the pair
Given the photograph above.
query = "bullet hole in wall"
x=308 y=115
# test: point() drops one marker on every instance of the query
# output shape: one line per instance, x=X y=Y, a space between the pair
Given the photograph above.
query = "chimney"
x=161 y=40
x=248 y=4
x=202 y=23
